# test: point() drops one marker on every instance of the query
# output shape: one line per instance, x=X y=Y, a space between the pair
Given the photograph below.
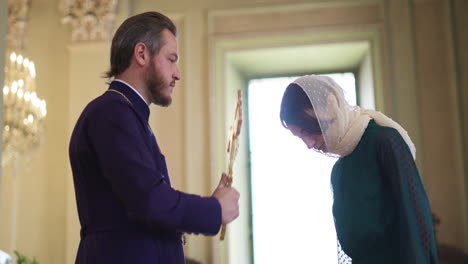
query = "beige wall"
x=423 y=69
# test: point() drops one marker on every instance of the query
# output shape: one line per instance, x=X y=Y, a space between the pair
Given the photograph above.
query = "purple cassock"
x=128 y=211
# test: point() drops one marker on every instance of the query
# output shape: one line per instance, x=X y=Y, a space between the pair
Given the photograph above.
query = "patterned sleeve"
x=417 y=243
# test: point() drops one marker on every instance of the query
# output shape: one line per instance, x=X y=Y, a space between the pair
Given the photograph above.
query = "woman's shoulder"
x=386 y=139
x=377 y=138
x=380 y=133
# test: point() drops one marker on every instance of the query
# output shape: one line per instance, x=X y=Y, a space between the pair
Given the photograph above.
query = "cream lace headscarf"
x=344 y=125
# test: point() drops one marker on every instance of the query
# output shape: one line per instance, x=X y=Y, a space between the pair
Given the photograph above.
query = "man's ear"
x=141 y=54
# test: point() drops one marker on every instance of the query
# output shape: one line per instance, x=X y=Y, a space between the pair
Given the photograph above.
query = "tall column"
x=3 y=30
x=399 y=34
x=460 y=42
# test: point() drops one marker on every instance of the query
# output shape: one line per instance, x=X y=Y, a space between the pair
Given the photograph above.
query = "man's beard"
x=156 y=85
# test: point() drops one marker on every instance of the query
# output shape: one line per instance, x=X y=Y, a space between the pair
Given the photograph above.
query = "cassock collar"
x=138 y=103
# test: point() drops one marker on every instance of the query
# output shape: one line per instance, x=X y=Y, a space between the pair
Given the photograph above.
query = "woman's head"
x=310 y=108
x=297 y=110
x=297 y=114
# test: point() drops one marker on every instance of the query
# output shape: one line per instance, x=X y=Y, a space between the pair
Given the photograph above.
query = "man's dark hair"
x=146 y=28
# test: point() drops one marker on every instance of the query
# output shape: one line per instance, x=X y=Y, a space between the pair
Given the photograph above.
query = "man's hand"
x=228 y=198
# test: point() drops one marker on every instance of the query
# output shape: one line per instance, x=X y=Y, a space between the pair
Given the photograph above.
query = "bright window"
x=291 y=192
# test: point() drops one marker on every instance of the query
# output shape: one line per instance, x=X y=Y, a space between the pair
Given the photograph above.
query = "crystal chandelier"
x=23 y=111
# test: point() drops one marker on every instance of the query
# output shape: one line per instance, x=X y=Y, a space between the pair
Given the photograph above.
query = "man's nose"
x=176 y=76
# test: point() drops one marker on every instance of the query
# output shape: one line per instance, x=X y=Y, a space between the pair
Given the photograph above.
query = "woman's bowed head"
x=314 y=109
x=304 y=120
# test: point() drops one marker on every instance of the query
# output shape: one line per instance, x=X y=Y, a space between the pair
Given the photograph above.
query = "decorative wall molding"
x=89 y=19
x=17 y=22
x=293 y=16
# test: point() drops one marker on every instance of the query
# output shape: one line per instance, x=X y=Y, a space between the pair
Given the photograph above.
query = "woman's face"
x=312 y=141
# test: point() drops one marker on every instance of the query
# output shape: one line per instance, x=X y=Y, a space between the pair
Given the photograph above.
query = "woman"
x=382 y=214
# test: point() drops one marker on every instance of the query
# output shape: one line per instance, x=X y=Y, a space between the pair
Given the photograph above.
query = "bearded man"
x=128 y=211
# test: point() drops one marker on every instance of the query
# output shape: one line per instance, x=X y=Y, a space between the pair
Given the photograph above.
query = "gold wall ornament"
x=89 y=19
x=23 y=111
x=17 y=21
x=233 y=145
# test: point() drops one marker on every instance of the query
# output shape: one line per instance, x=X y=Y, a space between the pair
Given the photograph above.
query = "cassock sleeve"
x=124 y=154
x=417 y=243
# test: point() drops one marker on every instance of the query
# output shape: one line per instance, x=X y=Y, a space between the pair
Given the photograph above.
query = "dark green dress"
x=382 y=214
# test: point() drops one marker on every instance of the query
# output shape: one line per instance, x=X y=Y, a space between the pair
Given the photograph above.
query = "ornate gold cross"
x=233 y=144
